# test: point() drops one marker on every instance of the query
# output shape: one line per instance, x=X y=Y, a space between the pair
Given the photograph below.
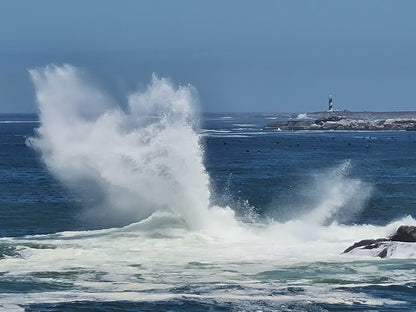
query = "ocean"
x=149 y=207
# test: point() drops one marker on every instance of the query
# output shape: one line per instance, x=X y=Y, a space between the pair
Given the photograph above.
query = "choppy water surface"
x=104 y=210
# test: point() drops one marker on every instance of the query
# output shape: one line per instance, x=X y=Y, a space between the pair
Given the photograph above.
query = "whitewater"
x=161 y=238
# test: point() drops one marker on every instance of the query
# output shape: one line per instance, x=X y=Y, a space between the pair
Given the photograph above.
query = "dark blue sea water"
x=301 y=198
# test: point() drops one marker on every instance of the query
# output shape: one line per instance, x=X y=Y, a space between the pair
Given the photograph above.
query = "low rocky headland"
x=345 y=120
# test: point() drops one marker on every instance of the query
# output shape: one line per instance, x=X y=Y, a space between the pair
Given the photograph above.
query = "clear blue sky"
x=269 y=56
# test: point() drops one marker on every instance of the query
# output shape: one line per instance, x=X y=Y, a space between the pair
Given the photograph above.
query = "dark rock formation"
x=367 y=244
x=405 y=233
x=383 y=246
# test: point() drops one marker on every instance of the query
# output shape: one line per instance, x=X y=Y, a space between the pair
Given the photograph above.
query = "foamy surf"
x=158 y=260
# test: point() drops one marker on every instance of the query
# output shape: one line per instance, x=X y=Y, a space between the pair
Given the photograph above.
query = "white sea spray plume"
x=139 y=160
x=339 y=196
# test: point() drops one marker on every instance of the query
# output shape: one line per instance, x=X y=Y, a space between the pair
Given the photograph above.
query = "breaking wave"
x=142 y=164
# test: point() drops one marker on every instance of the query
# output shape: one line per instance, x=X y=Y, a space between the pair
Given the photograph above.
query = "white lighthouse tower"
x=330 y=103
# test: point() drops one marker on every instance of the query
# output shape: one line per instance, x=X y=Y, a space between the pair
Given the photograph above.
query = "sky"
x=241 y=56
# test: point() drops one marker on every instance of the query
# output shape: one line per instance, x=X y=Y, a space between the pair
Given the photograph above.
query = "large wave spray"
x=137 y=160
x=339 y=197
x=146 y=160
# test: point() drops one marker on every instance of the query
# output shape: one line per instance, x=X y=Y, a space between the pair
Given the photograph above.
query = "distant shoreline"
x=366 y=115
x=346 y=120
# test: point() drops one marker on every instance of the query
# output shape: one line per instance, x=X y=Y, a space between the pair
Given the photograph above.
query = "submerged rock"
x=384 y=247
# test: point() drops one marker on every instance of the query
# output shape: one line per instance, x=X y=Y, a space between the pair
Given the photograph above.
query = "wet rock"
x=384 y=247
x=371 y=244
x=405 y=233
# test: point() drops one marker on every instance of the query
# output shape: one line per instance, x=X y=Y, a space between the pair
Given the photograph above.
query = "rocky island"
x=345 y=120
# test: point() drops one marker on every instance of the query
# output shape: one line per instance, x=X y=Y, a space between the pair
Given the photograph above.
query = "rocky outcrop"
x=384 y=247
x=338 y=122
x=405 y=233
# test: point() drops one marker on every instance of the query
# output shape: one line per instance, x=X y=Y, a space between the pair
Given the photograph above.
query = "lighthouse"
x=330 y=103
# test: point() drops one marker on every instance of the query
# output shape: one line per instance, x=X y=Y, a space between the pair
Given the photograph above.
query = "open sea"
x=105 y=211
